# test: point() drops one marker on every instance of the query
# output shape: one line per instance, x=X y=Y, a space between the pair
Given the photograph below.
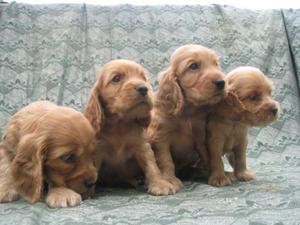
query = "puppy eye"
x=116 y=78
x=69 y=158
x=253 y=97
x=194 y=66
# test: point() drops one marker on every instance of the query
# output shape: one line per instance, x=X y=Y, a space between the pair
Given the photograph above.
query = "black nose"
x=89 y=183
x=274 y=111
x=220 y=84
x=143 y=90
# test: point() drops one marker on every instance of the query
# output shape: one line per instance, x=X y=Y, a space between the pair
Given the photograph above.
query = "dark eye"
x=194 y=66
x=253 y=97
x=69 y=158
x=116 y=78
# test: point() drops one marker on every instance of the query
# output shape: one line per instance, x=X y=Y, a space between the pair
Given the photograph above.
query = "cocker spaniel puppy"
x=248 y=104
x=48 y=144
x=187 y=91
x=119 y=109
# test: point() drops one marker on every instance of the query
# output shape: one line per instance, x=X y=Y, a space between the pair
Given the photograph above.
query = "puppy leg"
x=240 y=168
x=203 y=162
x=218 y=177
x=200 y=138
x=146 y=160
x=231 y=160
x=166 y=165
x=7 y=191
x=62 y=197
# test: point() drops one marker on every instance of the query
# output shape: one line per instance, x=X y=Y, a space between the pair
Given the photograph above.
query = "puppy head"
x=194 y=76
x=253 y=92
x=60 y=151
x=122 y=89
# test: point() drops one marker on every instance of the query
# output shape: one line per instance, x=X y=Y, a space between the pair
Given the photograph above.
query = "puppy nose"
x=89 y=183
x=220 y=84
x=274 y=111
x=143 y=90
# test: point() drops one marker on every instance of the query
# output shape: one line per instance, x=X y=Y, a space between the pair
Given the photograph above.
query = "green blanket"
x=53 y=52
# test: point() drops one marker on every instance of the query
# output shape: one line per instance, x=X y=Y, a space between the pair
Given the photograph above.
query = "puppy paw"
x=161 y=187
x=9 y=196
x=177 y=184
x=219 y=180
x=245 y=175
x=62 y=198
x=231 y=176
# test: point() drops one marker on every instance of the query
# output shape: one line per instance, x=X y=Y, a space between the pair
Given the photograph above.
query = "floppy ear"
x=169 y=96
x=232 y=107
x=94 y=112
x=27 y=168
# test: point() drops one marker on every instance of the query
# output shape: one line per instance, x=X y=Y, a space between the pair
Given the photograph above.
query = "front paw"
x=230 y=176
x=219 y=180
x=177 y=184
x=9 y=196
x=245 y=175
x=161 y=187
x=62 y=198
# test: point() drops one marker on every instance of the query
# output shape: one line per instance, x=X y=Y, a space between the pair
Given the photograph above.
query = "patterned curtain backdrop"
x=54 y=52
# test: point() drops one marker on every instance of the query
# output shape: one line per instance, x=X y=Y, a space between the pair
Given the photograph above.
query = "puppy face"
x=122 y=89
x=125 y=88
x=58 y=148
x=199 y=76
x=70 y=160
x=193 y=77
x=254 y=91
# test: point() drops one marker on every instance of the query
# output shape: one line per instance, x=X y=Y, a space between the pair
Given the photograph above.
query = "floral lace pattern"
x=54 y=51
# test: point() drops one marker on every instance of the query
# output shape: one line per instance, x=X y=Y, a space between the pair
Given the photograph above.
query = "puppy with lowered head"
x=46 y=143
x=119 y=109
x=188 y=90
x=249 y=104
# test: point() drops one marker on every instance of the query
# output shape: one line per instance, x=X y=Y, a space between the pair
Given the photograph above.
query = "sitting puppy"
x=119 y=109
x=46 y=143
x=187 y=91
x=249 y=103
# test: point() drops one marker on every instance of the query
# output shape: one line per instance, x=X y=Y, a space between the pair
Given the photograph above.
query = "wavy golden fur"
x=119 y=109
x=46 y=143
x=249 y=103
x=188 y=90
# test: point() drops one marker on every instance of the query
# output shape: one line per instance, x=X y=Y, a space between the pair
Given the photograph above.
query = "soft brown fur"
x=46 y=143
x=119 y=113
x=187 y=92
x=249 y=103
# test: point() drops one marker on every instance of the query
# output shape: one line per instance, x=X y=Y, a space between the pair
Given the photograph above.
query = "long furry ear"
x=232 y=107
x=27 y=168
x=169 y=97
x=94 y=112
x=233 y=100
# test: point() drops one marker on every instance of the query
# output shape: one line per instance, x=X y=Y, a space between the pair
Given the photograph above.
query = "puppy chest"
x=115 y=152
x=120 y=154
x=182 y=131
x=183 y=149
x=234 y=138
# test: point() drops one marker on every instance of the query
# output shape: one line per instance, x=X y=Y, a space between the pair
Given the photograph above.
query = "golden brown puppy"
x=46 y=143
x=249 y=103
x=119 y=109
x=187 y=91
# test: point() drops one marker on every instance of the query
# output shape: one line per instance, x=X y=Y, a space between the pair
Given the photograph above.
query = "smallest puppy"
x=249 y=103
x=48 y=144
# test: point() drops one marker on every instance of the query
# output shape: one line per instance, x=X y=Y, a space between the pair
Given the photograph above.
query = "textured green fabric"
x=53 y=52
